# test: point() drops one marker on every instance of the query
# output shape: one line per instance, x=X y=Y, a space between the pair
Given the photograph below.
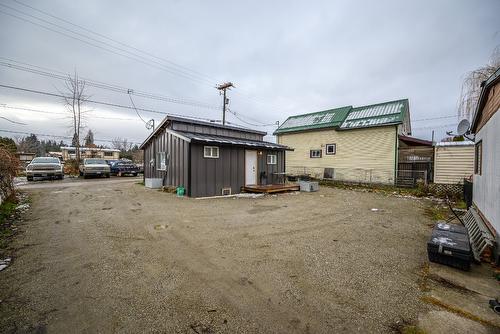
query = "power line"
x=182 y=70
x=9 y=120
x=64 y=113
x=98 y=84
x=128 y=54
x=102 y=102
x=57 y=136
x=115 y=41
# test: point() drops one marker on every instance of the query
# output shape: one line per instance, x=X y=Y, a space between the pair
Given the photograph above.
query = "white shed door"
x=250 y=167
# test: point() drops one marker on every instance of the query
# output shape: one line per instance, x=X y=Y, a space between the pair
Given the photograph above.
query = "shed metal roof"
x=198 y=137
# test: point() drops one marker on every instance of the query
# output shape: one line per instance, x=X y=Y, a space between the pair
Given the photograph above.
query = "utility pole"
x=223 y=87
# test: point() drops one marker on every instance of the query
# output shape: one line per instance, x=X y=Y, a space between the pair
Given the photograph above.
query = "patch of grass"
x=460 y=204
x=141 y=183
x=412 y=330
x=7 y=209
x=437 y=212
x=453 y=309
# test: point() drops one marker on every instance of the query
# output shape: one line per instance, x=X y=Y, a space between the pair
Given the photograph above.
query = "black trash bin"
x=468 y=193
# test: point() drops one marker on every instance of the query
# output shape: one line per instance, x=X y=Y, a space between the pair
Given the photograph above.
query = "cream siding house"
x=349 y=144
x=453 y=161
x=486 y=128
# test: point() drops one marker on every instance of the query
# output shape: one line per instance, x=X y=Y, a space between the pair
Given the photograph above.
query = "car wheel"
x=81 y=174
x=85 y=176
x=107 y=175
x=134 y=174
x=61 y=177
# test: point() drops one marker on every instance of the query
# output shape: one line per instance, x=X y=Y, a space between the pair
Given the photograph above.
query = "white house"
x=486 y=127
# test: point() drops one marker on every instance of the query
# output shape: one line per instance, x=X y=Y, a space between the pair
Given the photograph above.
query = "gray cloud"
x=285 y=58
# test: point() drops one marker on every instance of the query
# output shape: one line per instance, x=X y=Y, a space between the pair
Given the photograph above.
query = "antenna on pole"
x=225 y=101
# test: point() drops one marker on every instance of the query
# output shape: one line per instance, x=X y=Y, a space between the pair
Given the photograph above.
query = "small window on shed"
x=161 y=161
x=271 y=159
x=108 y=154
x=315 y=153
x=478 y=159
x=211 y=152
x=331 y=149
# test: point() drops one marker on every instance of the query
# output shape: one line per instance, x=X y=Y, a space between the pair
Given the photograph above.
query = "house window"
x=161 y=161
x=108 y=154
x=478 y=159
x=315 y=153
x=331 y=149
x=211 y=152
x=271 y=159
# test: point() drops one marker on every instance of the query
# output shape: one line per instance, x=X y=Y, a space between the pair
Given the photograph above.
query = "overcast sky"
x=284 y=57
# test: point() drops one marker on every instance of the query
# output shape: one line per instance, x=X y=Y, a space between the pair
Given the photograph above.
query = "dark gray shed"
x=210 y=159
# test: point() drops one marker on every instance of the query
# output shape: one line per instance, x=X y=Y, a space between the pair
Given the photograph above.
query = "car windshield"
x=45 y=160
x=95 y=162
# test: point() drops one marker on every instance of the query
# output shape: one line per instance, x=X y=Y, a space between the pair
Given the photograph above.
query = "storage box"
x=450 y=248
x=442 y=225
x=154 y=183
x=308 y=186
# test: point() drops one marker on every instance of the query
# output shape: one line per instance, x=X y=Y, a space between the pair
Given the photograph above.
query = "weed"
x=453 y=309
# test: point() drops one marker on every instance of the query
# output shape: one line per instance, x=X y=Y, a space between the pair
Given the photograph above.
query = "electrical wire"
x=117 y=42
x=9 y=120
x=145 y=62
x=97 y=84
x=59 y=136
x=102 y=102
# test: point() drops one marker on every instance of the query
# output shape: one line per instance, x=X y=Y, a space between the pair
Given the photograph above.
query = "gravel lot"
x=116 y=257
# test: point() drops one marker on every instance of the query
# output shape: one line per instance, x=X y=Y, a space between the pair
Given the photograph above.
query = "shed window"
x=478 y=159
x=108 y=154
x=331 y=149
x=161 y=161
x=315 y=153
x=211 y=152
x=271 y=159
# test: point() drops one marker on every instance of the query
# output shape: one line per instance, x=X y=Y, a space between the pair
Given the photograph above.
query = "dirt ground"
x=107 y=256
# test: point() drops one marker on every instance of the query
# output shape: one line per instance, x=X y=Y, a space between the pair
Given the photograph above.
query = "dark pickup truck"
x=121 y=168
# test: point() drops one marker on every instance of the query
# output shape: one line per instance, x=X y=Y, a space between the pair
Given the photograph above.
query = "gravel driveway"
x=116 y=257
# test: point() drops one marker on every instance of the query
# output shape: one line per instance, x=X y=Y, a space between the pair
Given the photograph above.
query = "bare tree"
x=121 y=144
x=74 y=102
x=471 y=86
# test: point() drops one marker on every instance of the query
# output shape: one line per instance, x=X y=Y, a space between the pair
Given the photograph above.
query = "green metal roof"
x=380 y=114
x=345 y=118
x=316 y=120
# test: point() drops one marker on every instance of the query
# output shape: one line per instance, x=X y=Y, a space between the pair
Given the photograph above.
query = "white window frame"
x=274 y=159
x=214 y=152
x=334 y=149
x=315 y=157
x=161 y=161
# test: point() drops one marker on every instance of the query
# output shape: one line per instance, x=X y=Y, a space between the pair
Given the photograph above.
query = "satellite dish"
x=463 y=127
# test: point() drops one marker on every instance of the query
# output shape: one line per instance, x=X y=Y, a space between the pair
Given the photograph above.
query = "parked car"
x=122 y=167
x=94 y=167
x=44 y=167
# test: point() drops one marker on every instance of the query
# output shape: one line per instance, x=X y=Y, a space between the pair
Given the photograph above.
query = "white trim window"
x=331 y=149
x=272 y=159
x=211 y=152
x=161 y=161
x=315 y=153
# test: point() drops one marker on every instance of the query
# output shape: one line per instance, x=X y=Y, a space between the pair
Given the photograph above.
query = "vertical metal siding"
x=270 y=170
x=209 y=176
x=177 y=171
